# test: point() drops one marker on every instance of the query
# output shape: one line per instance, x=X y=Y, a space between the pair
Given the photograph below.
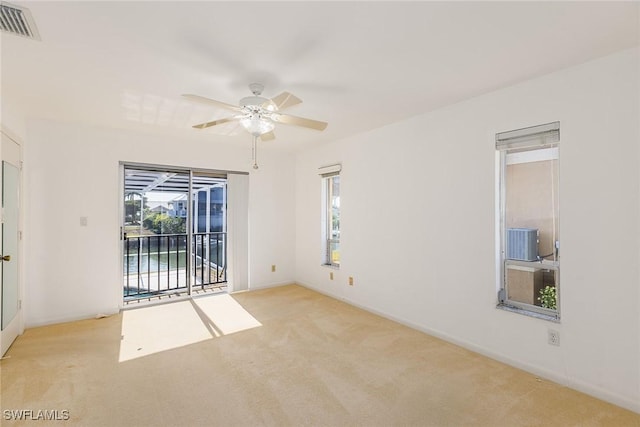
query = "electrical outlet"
x=273 y=268
x=331 y=275
x=350 y=281
x=553 y=337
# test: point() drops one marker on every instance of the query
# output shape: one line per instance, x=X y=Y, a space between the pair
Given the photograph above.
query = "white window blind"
x=531 y=137
x=238 y=231
x=331 y=170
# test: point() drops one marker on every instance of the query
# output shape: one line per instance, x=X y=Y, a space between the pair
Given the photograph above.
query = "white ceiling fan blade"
x=268 y=136
x=298 y=121
x=285 y=100
x=216 y=122
x=209 y=101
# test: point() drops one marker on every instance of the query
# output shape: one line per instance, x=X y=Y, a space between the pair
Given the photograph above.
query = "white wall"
x=418 y=225
x=13 y=124
x=73 y=171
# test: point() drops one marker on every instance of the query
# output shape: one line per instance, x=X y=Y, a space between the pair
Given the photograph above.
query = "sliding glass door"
x=209 y=208
x=174 y=232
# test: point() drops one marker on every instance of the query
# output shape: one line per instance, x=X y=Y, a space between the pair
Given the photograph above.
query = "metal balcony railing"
x=209 y=258
x=157 y=264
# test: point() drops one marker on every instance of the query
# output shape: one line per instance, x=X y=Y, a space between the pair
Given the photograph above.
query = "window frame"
x=329 y=215
x=501 y=254
x=328 y=175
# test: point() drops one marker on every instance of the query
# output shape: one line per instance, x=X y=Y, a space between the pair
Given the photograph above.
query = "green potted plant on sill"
x=548 y=298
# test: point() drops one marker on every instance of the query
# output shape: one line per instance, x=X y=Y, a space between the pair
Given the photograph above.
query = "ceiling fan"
x=259 y=115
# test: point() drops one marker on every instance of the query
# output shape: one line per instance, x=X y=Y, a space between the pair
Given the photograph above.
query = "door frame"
x=10 y=142
x=192 y=171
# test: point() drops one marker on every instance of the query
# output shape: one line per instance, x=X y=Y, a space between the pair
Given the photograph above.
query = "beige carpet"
x=277 y=357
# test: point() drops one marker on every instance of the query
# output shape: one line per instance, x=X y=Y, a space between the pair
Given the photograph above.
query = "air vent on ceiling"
x=17 y=20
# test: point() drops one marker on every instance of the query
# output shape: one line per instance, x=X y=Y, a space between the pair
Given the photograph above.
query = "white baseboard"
x=270 y=285
x=48 y=322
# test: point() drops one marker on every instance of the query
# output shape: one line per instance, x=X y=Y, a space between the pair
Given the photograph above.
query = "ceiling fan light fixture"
x=256 y=125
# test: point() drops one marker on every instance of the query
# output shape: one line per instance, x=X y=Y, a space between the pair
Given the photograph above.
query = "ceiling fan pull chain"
x=255 y=152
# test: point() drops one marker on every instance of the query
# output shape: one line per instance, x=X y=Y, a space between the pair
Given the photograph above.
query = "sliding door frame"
x=123 y=165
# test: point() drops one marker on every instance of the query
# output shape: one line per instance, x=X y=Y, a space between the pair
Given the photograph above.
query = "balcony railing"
x=157 y=264
x=209 y=258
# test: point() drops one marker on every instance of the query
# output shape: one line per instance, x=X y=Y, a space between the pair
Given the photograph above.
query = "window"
x=331 y=214
x=529 y=212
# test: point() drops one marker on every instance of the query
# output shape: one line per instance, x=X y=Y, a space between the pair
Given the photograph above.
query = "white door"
x=10 y=306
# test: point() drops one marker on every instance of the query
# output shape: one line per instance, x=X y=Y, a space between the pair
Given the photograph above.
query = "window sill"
x=331 y=266
x=529 y=313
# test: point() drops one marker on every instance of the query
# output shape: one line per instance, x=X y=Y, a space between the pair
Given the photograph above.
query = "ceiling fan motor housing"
x=253 y=101
x=260 y=103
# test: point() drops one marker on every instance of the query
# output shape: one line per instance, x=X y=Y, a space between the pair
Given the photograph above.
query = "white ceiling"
x=356 y=65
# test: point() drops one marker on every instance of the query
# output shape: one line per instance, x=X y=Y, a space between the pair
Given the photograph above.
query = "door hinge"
x=19 y=304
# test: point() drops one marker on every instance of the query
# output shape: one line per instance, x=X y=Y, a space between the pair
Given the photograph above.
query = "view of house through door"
x=9 y=280
x=174 y=232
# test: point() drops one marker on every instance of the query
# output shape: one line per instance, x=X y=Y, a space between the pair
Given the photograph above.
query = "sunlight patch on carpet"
x=226 y=314
x=153 y=329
